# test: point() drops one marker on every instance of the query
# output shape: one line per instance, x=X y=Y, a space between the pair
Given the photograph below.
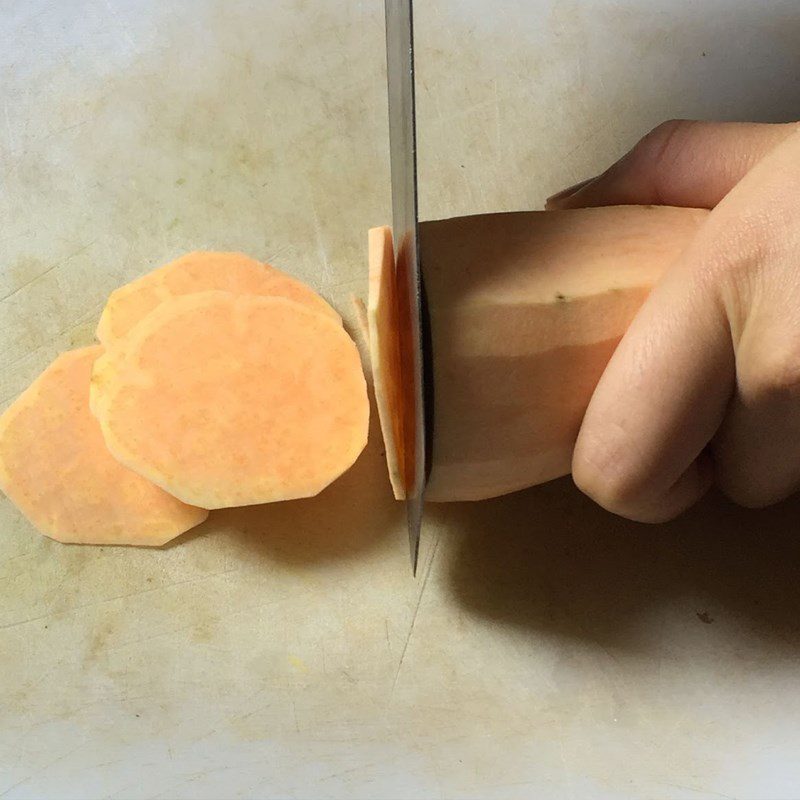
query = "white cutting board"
x=547 y=649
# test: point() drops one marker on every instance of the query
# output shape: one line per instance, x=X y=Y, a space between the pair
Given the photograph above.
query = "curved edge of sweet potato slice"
x=201 y=271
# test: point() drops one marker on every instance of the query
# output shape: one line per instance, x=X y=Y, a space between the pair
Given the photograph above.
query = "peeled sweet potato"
x=55 y=467
x=231 y=399
x=200 y=272
x=525 y=309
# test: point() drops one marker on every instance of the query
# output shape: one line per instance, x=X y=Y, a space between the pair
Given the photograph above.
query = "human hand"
x=705 y=385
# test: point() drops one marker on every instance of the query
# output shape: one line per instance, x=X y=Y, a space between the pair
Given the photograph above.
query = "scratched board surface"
x=547 y=649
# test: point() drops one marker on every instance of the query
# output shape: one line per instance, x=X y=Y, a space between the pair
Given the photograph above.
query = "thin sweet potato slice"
x=228 y=400
x=55 y=467
x=384 y=353
x=200 y=272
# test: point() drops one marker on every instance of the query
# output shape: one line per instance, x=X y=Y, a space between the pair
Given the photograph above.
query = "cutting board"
x=546 y=649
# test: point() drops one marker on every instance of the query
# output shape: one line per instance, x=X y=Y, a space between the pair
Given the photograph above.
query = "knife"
x=413 y=330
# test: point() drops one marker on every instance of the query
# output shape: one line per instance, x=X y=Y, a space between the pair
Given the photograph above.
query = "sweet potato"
x=525 y=309
x=231 y=399
x=55 y=467
x=200 y=272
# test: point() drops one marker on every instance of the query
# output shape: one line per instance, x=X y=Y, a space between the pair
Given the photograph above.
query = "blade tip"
x=414 y=533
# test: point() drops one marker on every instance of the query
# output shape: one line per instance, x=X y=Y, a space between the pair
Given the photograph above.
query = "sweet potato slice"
x=55 y=467
x=228 y=400
x=384 y=352
x=200 y=272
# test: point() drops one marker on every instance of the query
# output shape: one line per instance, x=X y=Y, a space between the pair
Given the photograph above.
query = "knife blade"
x=413 y=335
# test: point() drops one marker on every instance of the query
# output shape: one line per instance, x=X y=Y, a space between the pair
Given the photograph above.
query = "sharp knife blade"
x=408 y=277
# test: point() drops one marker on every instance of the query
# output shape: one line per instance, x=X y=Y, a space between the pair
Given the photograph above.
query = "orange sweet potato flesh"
x=385 y=356
x=230 y=399
x=199 y=272
x=55 y=467
x=526 y=309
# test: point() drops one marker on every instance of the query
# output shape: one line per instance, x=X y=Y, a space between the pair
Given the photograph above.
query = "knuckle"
x=735 y=254
x=606 y=472
x=654 y=157
x=659 y=138
x=661 y=144
x=748 y=244
x=749 y=237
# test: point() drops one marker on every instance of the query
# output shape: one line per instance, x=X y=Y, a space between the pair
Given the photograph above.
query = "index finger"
x=680 y=163
x=660 y=399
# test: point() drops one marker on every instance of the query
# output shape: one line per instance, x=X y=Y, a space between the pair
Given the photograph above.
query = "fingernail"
x=559 y=197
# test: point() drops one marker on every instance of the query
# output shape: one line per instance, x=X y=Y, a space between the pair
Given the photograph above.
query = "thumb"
x=679 y=163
